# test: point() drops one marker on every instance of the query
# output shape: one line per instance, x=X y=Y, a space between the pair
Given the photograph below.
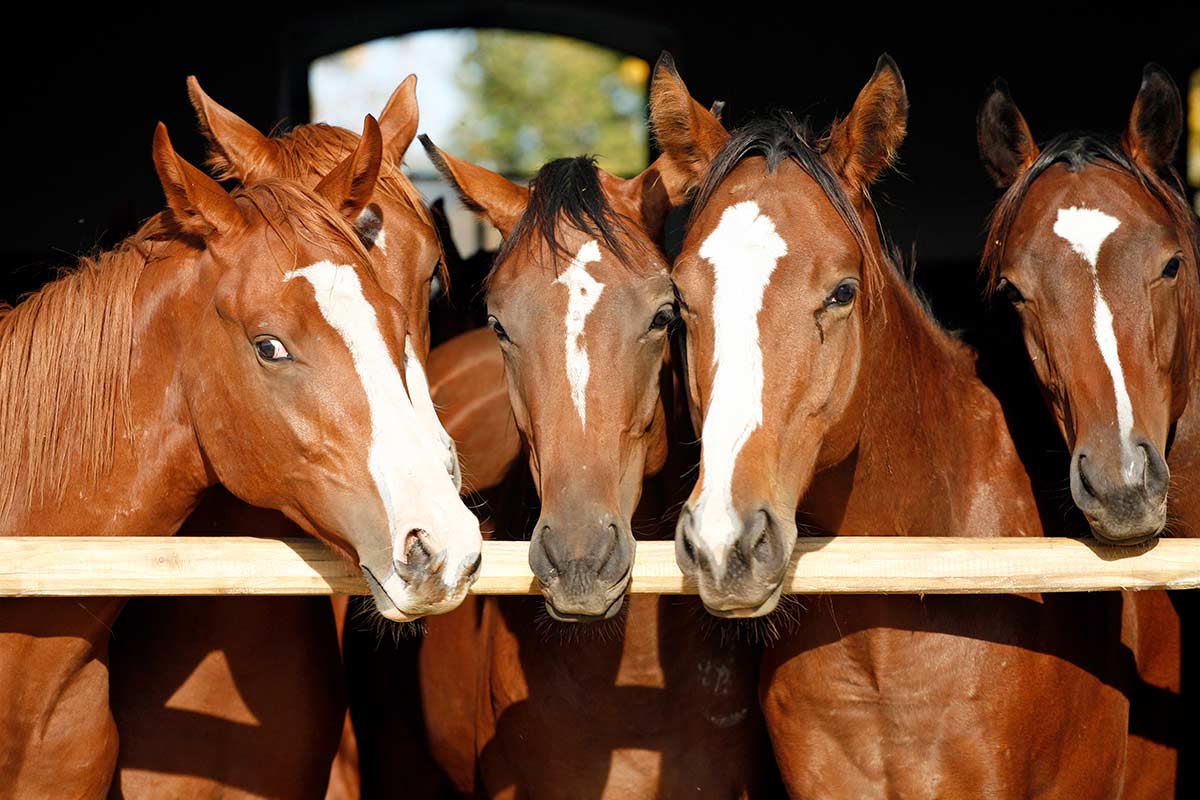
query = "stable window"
x=507 y=100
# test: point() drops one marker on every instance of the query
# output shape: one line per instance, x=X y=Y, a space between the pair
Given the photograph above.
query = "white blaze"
x=406 y=468
x=743 y=251
x=1085 y=229
x=583 y=294
x=418 y=392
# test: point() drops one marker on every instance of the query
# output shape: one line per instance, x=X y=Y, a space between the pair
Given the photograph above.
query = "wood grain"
x=79 y=566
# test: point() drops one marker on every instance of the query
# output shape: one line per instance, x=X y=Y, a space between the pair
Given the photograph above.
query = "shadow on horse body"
x=828 y=397
x=586 y=692
x=1094 y=248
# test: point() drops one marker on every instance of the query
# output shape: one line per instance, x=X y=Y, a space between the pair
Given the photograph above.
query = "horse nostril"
x=1084 y=483
x=473 y=567
x=416 y=547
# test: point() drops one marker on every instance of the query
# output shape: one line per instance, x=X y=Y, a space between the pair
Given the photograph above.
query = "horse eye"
x=271 y=349
x=1011 y=291
x=1172 y=268
x=665 y=316
x=843 y=295
x=498 y=329
x=435 y=287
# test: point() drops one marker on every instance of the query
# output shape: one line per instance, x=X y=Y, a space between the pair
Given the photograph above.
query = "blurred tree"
x=533 y=97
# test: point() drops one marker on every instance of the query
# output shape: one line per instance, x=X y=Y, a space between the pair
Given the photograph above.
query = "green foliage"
x=534 y=97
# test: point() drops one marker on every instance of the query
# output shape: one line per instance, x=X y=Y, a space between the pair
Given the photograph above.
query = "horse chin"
x=615 y=599
x=726 y=611
x=400 y=607
x=1119 y=533
x=1124 y=540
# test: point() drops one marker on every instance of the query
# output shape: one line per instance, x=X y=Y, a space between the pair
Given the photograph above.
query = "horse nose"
x=422 y=558
x=1124 y=498
x=1156 y=476
x=742 y=571
x=689 y=558
x=583 y=567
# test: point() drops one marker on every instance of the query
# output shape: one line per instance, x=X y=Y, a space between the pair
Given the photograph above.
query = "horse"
x=235 y=338
x=519 y=699
x=397 y=228
x=1094 y=248
x=830 y=401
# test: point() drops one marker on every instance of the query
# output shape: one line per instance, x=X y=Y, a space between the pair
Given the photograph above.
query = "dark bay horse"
x=1095 y=248
x=639 y=703
x=166 y=753
x=233 y=339
x=824 y=389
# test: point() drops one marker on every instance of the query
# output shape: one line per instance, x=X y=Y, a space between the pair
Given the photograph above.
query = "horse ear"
x=495 y=197
x=644 y=199
x=199 y=204
x=399 y=119
x=350 y=185
x=689 y=135
x=1005 y=142
x=1156 y=120
x=236 y=148
x=864 y=143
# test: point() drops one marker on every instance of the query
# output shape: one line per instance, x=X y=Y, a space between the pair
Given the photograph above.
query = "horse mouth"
x=615 y=596
x=745 y=612
x=413 y=610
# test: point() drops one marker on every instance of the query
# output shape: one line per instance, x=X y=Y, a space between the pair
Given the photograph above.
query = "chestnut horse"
x=1095 y=248
x=517 y=701
x=166 y=753
x=235 y=338
x=823 y=387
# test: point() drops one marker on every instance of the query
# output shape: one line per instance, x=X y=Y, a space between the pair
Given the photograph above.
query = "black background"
x=83 y=87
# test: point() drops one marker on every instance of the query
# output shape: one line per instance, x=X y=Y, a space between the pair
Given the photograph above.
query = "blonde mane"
x=315 y=149
x=65 y=350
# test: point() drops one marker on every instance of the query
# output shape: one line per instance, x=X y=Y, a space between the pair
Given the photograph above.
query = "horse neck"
x=930 y=432
x=156 y=471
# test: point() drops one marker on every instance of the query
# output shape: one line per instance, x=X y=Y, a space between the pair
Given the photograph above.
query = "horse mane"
x=1077 y=150
x=316 y=148
x=779 y=137
x=65 y=395
x=569 y=188
x=65 y=350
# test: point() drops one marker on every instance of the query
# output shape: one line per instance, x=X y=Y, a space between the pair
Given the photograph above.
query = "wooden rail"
x=43 y=566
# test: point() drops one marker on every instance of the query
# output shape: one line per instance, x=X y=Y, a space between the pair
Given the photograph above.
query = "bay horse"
x=1094 y=245
x=519 y=699
x=826 y=393
x=168 y=753
x=234 y=338
x=1095 y=248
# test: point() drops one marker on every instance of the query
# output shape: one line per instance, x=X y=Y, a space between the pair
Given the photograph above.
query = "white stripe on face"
x=743 y=250
x=583 y=294
x=403 y=463
x=418 y=392
x=1085 y=229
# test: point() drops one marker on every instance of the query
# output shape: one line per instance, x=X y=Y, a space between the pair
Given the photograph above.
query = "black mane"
x=1076 y=150
x=779 y=137
x=570 y=188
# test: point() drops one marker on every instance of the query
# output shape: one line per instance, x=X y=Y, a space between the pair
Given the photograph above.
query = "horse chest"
x=646 y=707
